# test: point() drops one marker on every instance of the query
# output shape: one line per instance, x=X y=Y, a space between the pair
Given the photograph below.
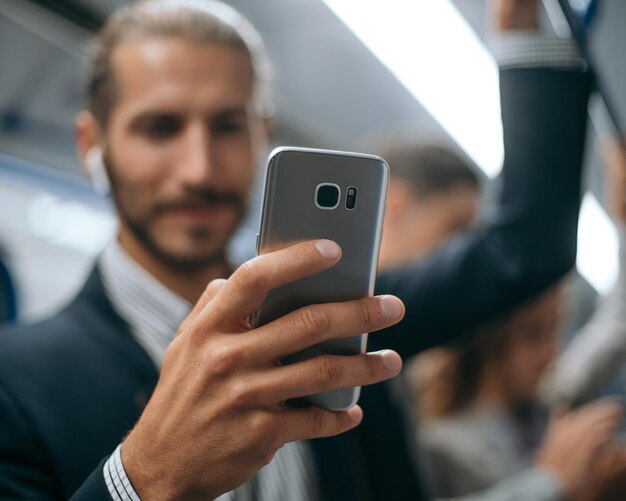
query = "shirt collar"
x=152 y=311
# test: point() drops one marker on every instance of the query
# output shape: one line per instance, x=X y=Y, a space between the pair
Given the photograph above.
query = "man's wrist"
x=145 y=480
x=117 y=480
x=524 y=49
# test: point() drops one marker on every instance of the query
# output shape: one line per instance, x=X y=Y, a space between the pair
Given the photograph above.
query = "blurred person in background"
x=471 y=399
x=480 y=408
x=178 y=119
x=490 y=383
x=598 y=351
x=433 y=193
x=481 y=430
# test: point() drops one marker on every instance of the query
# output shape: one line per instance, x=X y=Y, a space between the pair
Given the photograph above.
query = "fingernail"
x=391 y=306
x=356 y=414
x=391 y=360
x=328 y=248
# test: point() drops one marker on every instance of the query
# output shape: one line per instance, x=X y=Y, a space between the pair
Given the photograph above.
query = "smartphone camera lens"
x=351 y=198
x=327 y=196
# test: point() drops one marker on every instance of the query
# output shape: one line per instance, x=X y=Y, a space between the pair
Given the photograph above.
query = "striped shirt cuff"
x=116 y=480
x=525 y=49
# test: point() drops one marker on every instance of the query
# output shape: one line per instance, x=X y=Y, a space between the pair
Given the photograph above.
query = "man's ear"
x=89 y=151
x=87 y=134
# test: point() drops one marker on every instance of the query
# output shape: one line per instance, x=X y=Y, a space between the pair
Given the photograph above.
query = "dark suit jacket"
x=72 y=386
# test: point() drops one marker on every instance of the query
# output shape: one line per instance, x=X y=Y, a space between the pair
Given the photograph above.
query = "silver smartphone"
x=311 y=194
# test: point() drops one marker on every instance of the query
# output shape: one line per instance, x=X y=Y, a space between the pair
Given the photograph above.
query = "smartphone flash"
x=351 y=198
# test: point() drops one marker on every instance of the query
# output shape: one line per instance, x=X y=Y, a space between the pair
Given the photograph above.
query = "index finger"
x=246 y=289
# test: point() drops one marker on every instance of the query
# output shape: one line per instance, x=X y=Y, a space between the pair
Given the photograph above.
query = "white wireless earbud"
x=97 y=172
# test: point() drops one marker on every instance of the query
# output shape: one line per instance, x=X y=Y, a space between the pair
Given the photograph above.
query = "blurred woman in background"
x=477 y=401
x=482 y=423
x=482 y=417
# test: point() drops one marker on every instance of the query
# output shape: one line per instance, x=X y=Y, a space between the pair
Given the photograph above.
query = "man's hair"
x=430 y=169
x=204 y=21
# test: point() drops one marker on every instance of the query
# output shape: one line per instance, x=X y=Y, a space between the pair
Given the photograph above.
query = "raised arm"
x=530 y=239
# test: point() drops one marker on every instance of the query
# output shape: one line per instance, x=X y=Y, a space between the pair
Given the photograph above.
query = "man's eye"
x=162 y=127
x=229 y=126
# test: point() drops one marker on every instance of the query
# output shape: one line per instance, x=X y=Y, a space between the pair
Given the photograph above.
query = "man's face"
x=181 y=146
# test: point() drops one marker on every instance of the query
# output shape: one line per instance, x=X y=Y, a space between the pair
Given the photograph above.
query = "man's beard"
x=174 y=261
x=140 y=225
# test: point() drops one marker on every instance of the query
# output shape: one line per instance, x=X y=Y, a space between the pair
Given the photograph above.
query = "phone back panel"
x=290 y=214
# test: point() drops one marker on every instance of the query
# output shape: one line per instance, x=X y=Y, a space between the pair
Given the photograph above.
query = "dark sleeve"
x=529 y=243
x=25 y=472
x=94 y=488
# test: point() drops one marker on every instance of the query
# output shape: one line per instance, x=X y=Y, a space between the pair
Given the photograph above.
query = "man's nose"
x=197 y=165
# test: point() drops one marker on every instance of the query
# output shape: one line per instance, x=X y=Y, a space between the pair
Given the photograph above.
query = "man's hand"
x=217 y=414
x=574 y=441
x=512 y=15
